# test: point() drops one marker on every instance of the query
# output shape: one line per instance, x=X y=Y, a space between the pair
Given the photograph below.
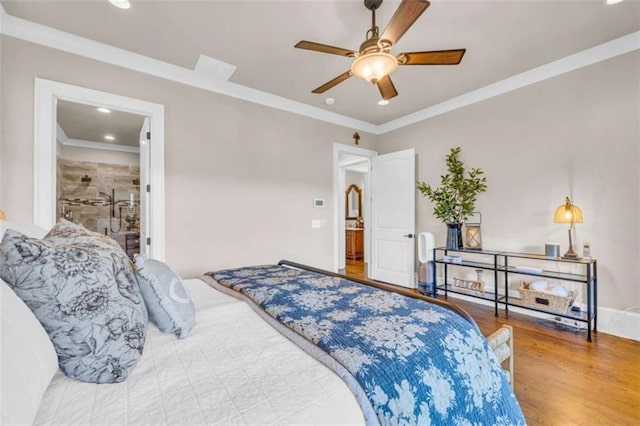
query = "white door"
x=145 y=151
x=393 y=196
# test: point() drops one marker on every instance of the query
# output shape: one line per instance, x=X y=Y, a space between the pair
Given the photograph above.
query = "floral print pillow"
x=82 y=289
x=64 y=231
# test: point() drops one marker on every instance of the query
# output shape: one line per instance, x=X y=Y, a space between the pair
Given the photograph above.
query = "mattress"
x=232 y=369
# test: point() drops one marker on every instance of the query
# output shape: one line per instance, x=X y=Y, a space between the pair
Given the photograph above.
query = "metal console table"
x=584 y=271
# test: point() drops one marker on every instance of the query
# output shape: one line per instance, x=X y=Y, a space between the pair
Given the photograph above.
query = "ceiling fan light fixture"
x=383 y=102
x=374 y=66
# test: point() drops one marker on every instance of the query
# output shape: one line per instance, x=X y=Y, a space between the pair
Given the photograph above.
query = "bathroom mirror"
x=353 y=202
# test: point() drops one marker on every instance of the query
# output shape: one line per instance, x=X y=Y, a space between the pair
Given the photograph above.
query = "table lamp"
x=568 y=213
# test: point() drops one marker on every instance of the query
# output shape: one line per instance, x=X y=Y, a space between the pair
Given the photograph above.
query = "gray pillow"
x=83 y=291
x=168 y=301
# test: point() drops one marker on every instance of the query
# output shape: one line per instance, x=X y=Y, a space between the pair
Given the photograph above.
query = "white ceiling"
x=502 y=38
x=86 y=123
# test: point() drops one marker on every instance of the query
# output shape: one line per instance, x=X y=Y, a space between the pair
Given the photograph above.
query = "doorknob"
x=409 y=235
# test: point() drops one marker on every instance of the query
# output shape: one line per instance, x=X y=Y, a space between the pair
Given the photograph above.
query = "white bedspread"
x=232 y=369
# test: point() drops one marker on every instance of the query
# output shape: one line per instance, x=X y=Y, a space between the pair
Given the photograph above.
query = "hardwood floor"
x=560 y=378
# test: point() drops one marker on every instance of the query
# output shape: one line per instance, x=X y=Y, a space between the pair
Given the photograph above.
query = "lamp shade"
x=374 y=66
x=568 y=213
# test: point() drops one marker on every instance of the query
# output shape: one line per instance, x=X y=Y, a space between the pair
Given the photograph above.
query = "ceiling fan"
x=373 y=62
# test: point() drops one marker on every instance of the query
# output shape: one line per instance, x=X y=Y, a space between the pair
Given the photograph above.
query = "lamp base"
x=570 y=254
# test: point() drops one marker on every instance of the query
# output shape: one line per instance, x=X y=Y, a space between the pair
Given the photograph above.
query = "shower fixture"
x=111 y=200
x=112 y=205
x=85 y=179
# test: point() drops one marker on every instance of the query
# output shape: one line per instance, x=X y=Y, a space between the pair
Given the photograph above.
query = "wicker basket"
x=546 y=301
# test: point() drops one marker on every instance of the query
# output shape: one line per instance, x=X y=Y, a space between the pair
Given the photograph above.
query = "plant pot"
x=454 y=236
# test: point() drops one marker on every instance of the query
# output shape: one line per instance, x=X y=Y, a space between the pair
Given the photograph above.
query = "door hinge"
x=148 y=241
x=148 y=188
x=148 y=136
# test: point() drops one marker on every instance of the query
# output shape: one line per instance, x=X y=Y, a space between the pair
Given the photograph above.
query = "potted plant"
x=455 y=200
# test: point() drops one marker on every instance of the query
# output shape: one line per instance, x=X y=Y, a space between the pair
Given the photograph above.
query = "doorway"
x=388 y=202
x=351 y=164
x=47 y=95
x=355 y=177
x=98 y=171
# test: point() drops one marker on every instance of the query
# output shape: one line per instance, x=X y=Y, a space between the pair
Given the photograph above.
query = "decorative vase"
x=454 y=236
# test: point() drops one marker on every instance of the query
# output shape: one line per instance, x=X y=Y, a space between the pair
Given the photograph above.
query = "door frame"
x=145 y=153
x=339 y=232
x=47 y=93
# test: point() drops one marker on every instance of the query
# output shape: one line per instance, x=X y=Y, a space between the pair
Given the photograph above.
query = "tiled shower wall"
x=84 y=201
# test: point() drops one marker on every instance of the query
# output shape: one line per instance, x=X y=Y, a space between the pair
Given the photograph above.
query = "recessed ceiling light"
x=613 y=1
x=122 y=4
x=383 y=102
x=329 y=101
x=109 y=137
x=105 y=110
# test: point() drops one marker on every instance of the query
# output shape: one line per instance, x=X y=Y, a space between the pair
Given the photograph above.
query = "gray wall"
x=240 y=178
x=577 y=134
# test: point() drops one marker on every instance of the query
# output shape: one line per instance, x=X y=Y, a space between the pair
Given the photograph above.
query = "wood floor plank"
x=560 y=378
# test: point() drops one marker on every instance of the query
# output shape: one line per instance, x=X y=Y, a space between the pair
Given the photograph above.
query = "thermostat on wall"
x=318 y=203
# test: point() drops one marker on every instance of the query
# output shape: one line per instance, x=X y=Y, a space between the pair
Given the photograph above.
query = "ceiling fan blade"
x=324 y=48
x=434 y=57
x=328 y=85
x=387 y=89
x=405 y=16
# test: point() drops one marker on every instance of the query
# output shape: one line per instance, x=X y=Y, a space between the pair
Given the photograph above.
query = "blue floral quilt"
x=418 y=363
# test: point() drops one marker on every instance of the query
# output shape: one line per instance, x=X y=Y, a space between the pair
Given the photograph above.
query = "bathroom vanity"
x=355 y=243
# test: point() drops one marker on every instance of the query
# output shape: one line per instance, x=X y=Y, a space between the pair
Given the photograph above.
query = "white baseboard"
x=619 y=323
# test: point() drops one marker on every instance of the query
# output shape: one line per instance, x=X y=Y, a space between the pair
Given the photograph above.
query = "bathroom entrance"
x=98 y=182
x=354 y=214
x=352 y=234
x=388 y=216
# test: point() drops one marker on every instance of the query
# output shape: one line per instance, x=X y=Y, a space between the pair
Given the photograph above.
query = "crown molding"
x=79 y=143
x=71 y=43
x=590 y=56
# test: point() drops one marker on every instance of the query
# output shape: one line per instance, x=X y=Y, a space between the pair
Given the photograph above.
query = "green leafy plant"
x=455 y=199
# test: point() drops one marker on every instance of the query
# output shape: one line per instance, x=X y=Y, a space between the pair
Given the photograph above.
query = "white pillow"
x=29 y=360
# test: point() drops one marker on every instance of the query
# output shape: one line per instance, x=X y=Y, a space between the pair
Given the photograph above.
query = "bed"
x=234 y=368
